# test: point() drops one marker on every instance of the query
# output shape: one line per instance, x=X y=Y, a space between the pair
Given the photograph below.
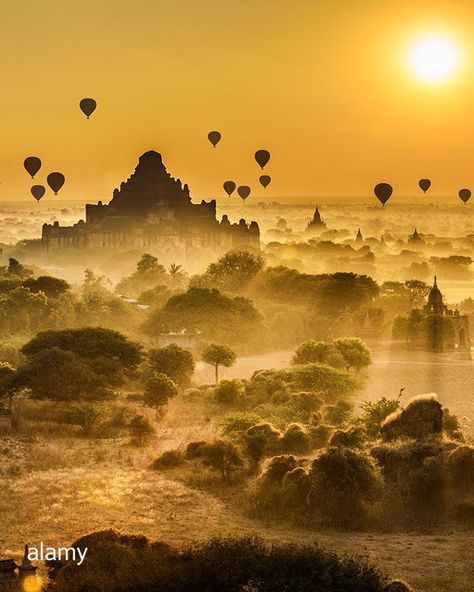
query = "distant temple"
x=415 y=238
x=317 y=223
x=152 y=210
x=359 y=238
x=460 y=323
x=18 y=578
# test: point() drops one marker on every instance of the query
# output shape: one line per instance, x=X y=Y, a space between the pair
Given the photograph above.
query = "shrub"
x=307 y=401
x=169 y=460
x=174 y=361
x=319 y=377
x=86 y=415
x=310 y=352
x=159 y=388
x=278 y=467
x=223 y=565
x=260 y=440
x=141 y=430
x=229 y=392
x=338 y=413
x=355 y=353
x=375 y=413
x=352 y=438
x=195 y=449
x=397 y=586
x=223 y=457
x=460 y=464
x=344 y=482
x=296 y=440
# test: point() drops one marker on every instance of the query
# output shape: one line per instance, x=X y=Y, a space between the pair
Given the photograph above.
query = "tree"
x=222 y=456
x=207 y=312
x=148 y=274
x=174 y=361
x=311 y=351
x=159 y=388
x=355 y=353
x=178 y=275
x=62 y=376
x=108 y=352
x=234 y=270
x=218 y=355
x=50 y=286
x=85 y=414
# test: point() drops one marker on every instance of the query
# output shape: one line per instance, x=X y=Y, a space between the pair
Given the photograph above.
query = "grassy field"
x=58 y=490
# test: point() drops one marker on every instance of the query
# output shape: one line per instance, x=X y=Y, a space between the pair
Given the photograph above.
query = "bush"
x=229 y=392
x=195 y=449
x=311 y=352
x=278 y=467
x=296 y=440
x=141 y=430
x=219 y=565
x=159 y=388
x=351 y=438
x=169 y=460
x=397 y=586
x=223 y=457
x=174 y=361
x=260 y=440
x=319 y=377
x=344 y=483
x=460 y=464
x=339 y=413
x=307 y=401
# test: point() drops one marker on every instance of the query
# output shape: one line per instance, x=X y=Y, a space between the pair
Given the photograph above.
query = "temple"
x=154 y=211
x=460 y=323
x=317 y=223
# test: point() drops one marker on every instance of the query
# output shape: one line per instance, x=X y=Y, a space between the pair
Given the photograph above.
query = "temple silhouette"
x=153 y=210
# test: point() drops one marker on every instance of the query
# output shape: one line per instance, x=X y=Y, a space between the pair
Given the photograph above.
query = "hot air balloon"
x=265 y=181
x=383 y=191
x=55 y=181
x=88 y=106
x=424 y=184
x=37 y=191
x=214 y=138
x=243 y=191
x=32 y=165
x=229 y=187
x=465 y=195
x=262 y=157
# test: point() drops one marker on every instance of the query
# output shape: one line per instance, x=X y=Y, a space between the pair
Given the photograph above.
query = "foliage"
x=218 y=565
x=344 y=482
x=311 y=351
x=223 y=457
x=375 y=413
x=159 y=388
x=141 y=430
x=355 y=353
x=86 y=415
x=233 y=271
x=229 y=392
x=200 y=310
x=174 y=361
x=218 y=355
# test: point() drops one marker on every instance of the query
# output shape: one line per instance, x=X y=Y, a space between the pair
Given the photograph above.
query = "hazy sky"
x=321 y=84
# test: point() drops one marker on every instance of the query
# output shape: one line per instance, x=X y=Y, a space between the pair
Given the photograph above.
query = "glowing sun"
x=433 y=58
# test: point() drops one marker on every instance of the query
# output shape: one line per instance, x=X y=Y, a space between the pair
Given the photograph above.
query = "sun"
x=433 y=58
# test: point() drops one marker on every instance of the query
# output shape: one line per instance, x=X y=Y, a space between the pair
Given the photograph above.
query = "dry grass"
x=72 y=486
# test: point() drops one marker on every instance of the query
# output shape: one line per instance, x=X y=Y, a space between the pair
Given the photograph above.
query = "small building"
x=17 y=578
x=415 y=238
x=317 y=224
x=435 y=307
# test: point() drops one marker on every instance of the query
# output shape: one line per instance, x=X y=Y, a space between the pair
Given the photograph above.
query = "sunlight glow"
x=433 y=58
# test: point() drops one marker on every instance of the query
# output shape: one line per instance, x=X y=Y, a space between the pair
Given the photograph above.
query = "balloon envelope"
x=32 y=165
x=243 y=191
x=229 y=187
x=265 y=181
x=262 y=157
x=87 y=106
x=37 y=191
x=55 y=181
x=465 y=195
x=383 y=191
x=214 y=138
x=424 y=184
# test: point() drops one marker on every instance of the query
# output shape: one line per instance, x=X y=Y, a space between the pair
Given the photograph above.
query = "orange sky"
x=322 y=85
